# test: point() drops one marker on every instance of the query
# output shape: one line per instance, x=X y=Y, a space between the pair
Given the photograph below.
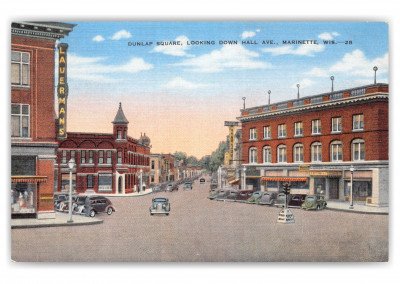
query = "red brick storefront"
x=106 y=163
x=33 y=141
x=333 y=131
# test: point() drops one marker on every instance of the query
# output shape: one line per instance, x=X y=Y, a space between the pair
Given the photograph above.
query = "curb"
x=55 y=225
x=357 y=212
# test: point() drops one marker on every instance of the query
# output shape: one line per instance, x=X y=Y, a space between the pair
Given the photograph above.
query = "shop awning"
x=234 y=181
x=28 y=179
x=286 y=179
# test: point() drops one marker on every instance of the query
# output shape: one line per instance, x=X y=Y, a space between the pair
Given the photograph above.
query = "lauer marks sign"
x=62 y=90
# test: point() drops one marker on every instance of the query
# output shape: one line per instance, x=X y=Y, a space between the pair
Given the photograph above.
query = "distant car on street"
x=281 y=200
x=157 y=188
x=213 y=193
x=254 y=198
x=296 y=200
x=267 y=198
x=172 y=187
x=316 y=202
x=160 y=205
x=188 y=186
x=243 y=195
x=202 y=181
x=232 y=195
x=213 y=185
x=222 y=194
x=97 y=204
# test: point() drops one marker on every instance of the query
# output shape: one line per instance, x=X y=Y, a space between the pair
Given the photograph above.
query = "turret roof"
x=120 y=117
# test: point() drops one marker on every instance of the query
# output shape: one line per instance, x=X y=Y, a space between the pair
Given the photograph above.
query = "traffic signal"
x=286 y=188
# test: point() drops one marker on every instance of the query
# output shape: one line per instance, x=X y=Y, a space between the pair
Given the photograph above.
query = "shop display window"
x=22 y=198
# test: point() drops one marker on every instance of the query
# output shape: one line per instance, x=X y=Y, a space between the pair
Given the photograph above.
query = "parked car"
x=222 y=194
x=160 y=205
x=213 y=193
x=79 y=204
x=314 y=202
x=58 y=198
x=232 y=195
x=95 y=204
x=202 y=181
x=243 y=195
x=296 y=200
x=213 y=185
x=172 y=187
x=254 y=198
x=188 y=186
x=267 y=198
x=281 y=200
x=157 y=188
x=64 y=205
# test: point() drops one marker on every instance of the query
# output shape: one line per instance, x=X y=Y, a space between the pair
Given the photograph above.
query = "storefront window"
x=65 y=182
x=299 y=185
x=272 y=184
x=105 y=182
x=362 y=190
x=22 y=198
x=319 y=185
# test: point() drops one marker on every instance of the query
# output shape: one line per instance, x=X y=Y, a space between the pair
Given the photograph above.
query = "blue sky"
x=150 y=80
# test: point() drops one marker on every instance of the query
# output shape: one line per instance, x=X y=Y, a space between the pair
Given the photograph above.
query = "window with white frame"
x=90 y=157
x=253 y=134
x=281 y=154
x=267 y=154
x=358 y=122
x=316 y=126
x=298 y=129
x=119 y=134
x=119 y=157
x=298 y=153
x=358 y=150
x=109 y=157
x=20 y=120
x=72 y=155
x=267 y=132
x=101 y=157
x=20 y=62
x=336 y=151
x=281 y=130
x=316 y=152
x=64 y=157
x=253 y=155
x=336 y=124
x=83 y=157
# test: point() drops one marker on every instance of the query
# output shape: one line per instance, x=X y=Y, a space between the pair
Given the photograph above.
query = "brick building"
x=312 y=142
x=106 y=163
x=33 y=139
x=162 y=168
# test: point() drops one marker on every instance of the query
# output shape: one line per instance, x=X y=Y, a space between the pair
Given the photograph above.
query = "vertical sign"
x=231 y=137
x=62 y=90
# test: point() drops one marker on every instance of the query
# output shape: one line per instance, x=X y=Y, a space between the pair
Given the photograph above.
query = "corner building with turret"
x=105 y=163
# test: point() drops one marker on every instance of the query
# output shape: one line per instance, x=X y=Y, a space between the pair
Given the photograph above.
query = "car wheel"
x=318 y=207
x=167 y=214
x=109 y=211
x=324 y=206
x=92 y=213
x=151 y=214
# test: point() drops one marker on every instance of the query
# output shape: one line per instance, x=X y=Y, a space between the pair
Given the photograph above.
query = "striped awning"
x=234 y=181
x=28 y=179
x=286 y=179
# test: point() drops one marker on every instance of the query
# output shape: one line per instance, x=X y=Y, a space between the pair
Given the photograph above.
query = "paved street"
x=199 y=229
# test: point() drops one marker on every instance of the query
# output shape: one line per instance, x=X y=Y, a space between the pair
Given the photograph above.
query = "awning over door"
x=286 y=179
x=234 y=181
x=28 y=179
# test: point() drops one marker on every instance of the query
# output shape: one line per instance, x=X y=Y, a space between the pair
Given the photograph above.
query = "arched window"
x=281 y=154
x=267 y=154
x=298 y=153
x=316 y=152
x=253 y=155
x=358 y=150
x=336 y=151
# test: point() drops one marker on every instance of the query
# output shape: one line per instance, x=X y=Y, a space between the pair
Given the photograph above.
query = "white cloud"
x=247 y=34
x=258 y=30
x=229 y=56
x=180 y=83
x=357 y=63
x=335 y=34
x=304 y=84
x=304 y=49
x=317 y=72
x=328 y=36
x=175 y=50
x=98 y=38
x=92 y=68
x=121 y=34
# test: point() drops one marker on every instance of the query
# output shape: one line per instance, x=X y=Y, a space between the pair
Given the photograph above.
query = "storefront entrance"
x=333 y=188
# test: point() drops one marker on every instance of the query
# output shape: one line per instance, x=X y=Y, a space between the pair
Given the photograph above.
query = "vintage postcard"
x=181 y=141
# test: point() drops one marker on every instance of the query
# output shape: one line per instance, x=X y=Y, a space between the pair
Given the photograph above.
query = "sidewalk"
x=358 y=208
x=147 y=191
x=60 y=220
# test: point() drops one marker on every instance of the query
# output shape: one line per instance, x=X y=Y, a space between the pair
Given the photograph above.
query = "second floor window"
x=316 y=152
x=253 y=155
x=64 y=157
x=267 y=132
x=336 y=124
x=358 y=122
x=119 y=134
x=152 y=165
x=298 y=129
x=281 y=130
x=109 y=157
x=90 y=157
x=316 y=126
x=19 y=120
x=83 y=157
x=358 y=150
x=253 y=134
x=298 y=153
x=20 y=68
x=119 y=160
x=101 y=157
x=336 y=151
x=267 y=155
x=281 y=154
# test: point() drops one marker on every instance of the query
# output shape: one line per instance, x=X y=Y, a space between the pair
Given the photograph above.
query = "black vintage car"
x=97 y=204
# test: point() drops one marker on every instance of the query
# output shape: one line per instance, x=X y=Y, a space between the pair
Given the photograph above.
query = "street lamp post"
x=141 y=180
x=375 y=69
x=71 y=165
x=244 y=178
x=269 y=97
x=351 y=189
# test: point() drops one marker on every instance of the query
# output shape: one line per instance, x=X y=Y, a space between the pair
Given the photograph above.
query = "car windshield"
x=266 y=194
x=234 y=193
x=257 y=194
x=160 y=200
x=311 y=198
